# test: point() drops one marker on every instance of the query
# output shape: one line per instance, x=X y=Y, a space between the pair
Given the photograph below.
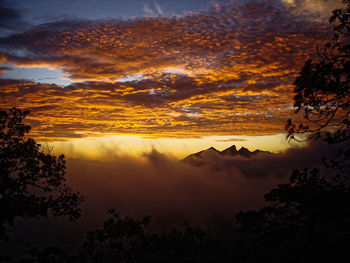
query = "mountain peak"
x=204 y=156
x=244 y=152
x=211 y=149
x=231 y=151
x=197 y=158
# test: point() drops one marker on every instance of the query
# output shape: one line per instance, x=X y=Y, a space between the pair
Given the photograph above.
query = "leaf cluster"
x=322 y=90
x=305 y=219
x=32 y=182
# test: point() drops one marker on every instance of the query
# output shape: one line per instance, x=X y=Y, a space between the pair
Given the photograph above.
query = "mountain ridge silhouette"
x=228 y=152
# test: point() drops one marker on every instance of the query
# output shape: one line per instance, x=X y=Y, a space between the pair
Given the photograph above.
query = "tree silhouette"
x=32 y=182
x=131 y=240
x=305 y=219
x=322 y=90
x=308 y=218
x=49 y=254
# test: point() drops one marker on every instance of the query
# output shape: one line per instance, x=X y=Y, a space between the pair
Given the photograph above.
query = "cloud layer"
x=226 y=70
x=316 y=10
x=173 y=192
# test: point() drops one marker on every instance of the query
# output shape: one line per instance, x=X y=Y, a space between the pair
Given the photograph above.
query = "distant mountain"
x=230 y=151
x=203 y=153
x=211 y=153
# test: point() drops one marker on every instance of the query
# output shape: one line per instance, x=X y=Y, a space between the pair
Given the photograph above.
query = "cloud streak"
x=316 y=10
x=4 y=69
x=86 y=109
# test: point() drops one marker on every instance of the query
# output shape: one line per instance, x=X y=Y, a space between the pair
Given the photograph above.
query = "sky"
x=176 y=76
x=126 y=88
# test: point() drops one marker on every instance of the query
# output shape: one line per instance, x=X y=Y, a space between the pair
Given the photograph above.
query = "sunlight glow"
x=136 y=146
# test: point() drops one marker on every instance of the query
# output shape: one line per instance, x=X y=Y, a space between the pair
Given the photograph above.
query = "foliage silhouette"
x=131 y=240
x=32 y=182
x=47 y=255
x=308 y=218
x=305 y=219
x=322 y=90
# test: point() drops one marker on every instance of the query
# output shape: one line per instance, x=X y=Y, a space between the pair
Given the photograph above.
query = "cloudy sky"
x=158 y=73
x=126 y=88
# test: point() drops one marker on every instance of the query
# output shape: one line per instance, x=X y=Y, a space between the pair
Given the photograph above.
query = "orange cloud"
x=221 y=43
x=222 y=71
x=96 y=108
x=4 y=69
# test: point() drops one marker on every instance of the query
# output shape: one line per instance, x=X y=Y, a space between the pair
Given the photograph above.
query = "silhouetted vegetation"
x=322 y=90
x=32 y=182
x=131 y=240
x=308 y=218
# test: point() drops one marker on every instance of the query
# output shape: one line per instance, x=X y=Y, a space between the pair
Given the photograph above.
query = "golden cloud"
x=96 y=108
x=222 y=71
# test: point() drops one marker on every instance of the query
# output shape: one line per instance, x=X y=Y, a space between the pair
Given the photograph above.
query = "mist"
x=171 y=191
